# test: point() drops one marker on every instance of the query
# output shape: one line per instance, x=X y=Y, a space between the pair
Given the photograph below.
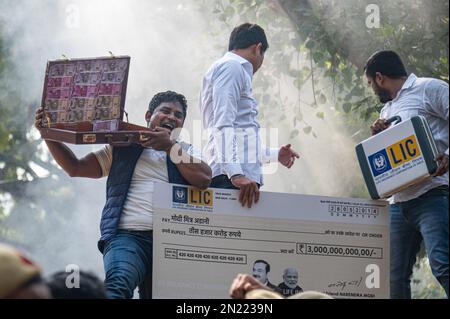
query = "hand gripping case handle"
x=397 y=119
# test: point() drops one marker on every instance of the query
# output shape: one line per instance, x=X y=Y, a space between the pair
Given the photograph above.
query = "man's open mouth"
x=168 y=126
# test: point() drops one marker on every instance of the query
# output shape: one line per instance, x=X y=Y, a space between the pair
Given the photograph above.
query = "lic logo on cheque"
x=394 y=155
x=192 y=196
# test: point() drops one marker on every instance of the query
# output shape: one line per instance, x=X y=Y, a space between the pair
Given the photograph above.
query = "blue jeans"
x=423 y=218
x=127 y=259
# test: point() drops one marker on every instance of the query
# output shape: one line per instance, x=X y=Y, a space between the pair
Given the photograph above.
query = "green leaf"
x=317 y=56
x=322 y=99
x=307 y=129
x=347 y=107
x=320 y=115
x=310 y=44
x=229 y=11
x=294 y=73
x=294 y=133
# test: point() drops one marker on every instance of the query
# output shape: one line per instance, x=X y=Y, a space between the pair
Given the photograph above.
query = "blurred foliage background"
x=325 y=47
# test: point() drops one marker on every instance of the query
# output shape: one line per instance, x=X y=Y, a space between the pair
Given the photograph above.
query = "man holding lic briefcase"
x=419 y=212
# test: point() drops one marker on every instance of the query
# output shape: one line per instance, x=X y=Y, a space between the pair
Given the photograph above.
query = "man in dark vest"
x=127 y=218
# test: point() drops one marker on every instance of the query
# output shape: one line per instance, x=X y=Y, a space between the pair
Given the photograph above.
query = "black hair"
x=263 y=262
x=37 y=279
x=91 y=287
x=387 y=63
x=247 y=34
x=168 y=96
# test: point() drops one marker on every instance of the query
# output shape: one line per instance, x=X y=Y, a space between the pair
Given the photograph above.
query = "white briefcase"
x=397 y=157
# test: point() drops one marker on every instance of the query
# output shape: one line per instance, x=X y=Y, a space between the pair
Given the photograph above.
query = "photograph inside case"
x=84 y=102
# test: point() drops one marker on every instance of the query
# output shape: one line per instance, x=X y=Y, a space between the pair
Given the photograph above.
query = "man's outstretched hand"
x=287 y=156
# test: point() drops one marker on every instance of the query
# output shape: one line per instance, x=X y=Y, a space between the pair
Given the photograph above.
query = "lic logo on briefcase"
x=394 y=155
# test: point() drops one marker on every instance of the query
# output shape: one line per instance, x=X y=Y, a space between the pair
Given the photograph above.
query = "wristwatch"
x=236 y=175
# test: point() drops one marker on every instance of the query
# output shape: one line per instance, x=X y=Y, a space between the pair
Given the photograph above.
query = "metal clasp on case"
x=89 y=138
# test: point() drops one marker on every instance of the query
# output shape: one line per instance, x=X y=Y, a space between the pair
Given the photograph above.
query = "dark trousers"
x=222 y=181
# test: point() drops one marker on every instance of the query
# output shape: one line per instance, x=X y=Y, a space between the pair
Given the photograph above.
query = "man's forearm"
x=63 y=156
x=196 y=172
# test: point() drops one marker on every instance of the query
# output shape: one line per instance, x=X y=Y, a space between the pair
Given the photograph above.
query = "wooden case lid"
x=79 y=92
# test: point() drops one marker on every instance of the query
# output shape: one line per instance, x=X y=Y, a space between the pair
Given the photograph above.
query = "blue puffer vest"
x=118 y=183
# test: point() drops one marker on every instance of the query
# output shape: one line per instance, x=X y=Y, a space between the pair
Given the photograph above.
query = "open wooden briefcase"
x=84 y=102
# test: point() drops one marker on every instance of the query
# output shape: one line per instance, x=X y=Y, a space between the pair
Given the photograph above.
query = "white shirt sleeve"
x=270 y=154
x=228 y=84
x=384 y=114
x=436 y=100
x=104 y=158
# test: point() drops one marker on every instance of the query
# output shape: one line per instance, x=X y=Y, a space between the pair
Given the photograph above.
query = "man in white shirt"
x=420 y=212
x=230 y=112
x=127 y=218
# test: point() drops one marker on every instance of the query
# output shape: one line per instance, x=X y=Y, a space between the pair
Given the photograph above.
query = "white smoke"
x=165 y=39
x=170 y=48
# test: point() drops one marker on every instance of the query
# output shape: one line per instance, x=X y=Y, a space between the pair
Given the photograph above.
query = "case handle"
x=397 y=119
x=126 y=142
